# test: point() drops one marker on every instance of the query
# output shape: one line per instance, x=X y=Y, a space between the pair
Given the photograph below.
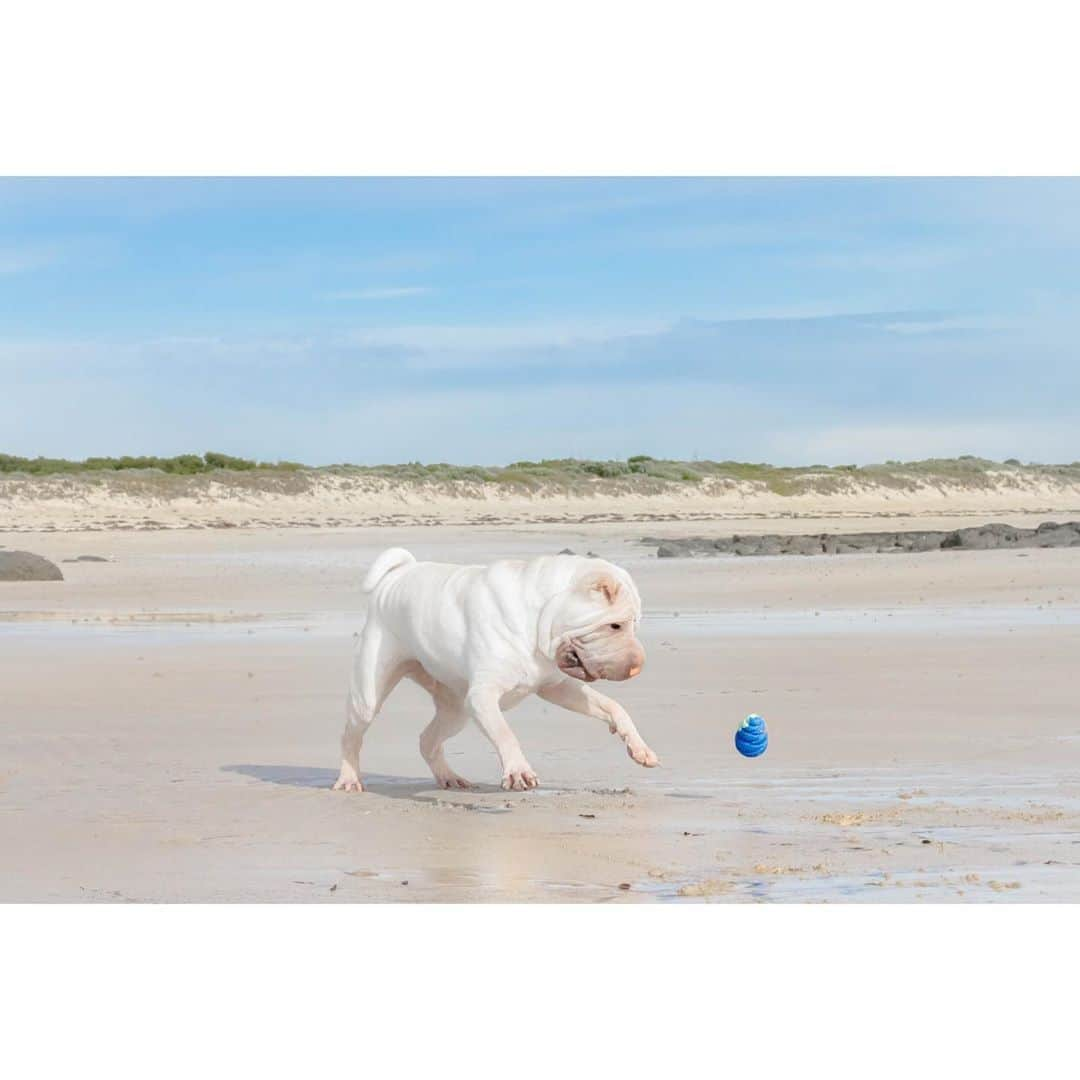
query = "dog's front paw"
x=519 y=778
x=641 y=753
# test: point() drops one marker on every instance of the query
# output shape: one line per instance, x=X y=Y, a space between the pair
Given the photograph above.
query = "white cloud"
x=763 y=390
x=508 y=336
x=385 y=292
x=716 y=234
x=903 y=260
x=496 y=426
x=947 y=324
x=876 y=442
x=19 y=260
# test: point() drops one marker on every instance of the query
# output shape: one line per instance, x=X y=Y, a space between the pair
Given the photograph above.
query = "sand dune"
x=151 y=500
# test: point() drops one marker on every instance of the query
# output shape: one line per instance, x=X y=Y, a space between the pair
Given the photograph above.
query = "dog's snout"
x=632 y=666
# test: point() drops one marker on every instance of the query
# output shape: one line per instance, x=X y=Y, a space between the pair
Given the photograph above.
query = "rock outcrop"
x=25 y=566
x=977 y=538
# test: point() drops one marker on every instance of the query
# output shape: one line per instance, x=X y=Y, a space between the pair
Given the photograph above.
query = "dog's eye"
x=616 y=626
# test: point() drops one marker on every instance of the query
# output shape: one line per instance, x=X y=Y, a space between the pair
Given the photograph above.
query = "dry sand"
x=169 y=724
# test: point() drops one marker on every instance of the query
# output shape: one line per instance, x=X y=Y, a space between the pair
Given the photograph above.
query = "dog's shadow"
x=415 y=788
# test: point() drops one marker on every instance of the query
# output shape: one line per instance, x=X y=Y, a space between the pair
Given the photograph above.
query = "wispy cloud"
x=384 y=292
x=448 y=340
x=715 y=234
x=903 y=260
x=997 y=438
x=947 y=324
x=805 y=245
x=762 y=388
x=20 y=260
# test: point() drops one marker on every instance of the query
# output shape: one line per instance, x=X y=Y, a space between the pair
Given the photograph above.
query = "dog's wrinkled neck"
x=547 y=640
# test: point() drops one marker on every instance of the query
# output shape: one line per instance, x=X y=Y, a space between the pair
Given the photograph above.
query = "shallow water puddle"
x=499 y=885
x=917 y=619
x=1017 y=884
x=167 y=627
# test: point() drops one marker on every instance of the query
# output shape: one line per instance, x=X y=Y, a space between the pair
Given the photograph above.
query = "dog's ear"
x=603 y=583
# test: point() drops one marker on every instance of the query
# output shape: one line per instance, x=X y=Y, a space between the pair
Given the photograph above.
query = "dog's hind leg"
x=450 y=718
x=377 y=669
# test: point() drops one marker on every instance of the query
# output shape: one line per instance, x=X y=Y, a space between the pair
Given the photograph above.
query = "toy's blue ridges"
x=751 y=738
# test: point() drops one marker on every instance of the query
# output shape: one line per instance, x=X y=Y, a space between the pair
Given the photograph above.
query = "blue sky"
x=468 y=320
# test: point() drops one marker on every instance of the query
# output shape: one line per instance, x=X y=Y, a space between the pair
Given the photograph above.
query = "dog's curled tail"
x=390 y=559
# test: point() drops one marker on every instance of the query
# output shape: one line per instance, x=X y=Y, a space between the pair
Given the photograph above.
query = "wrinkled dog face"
x=599 y=641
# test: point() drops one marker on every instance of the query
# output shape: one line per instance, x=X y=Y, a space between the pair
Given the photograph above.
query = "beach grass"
x=640 y=472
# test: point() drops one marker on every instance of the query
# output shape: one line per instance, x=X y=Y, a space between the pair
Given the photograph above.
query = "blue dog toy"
x=751 y=738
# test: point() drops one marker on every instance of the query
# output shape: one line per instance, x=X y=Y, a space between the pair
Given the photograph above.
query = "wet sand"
x=169 y=724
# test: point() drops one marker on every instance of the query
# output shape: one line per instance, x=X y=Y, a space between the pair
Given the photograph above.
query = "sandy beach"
x=169 y=724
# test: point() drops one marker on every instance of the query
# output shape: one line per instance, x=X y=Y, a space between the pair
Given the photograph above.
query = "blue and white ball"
x=751 y=738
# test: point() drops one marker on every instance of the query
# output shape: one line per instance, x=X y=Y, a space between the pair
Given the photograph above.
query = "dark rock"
x=975 y=538
x=691 y=545
x=25 y=566
x=855 y=541
x=802 y=545
x=566 y=551
x=1062 y=536
x=88 y=558
x=924 y=541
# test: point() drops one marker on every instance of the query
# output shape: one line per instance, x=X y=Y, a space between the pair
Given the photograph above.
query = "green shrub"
x=640 y=471
x=181 y=465
x=224 y=461
x=605 y=469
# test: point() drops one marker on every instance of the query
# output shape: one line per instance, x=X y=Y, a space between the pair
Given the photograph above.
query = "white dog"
x=479 y=639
